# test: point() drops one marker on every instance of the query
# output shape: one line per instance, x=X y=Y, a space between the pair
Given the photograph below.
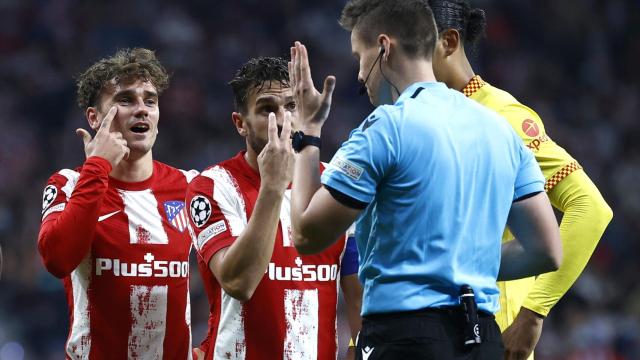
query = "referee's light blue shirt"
x=439 y=173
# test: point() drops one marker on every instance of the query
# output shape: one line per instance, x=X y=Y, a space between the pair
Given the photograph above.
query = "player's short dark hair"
x=458 y=15
x=409 y=21
x=126 y=65
x=255 y=74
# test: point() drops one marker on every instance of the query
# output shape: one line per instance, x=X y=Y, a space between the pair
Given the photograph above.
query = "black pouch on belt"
x=470 y=315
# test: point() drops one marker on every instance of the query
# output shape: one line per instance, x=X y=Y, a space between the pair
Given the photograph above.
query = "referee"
x=431 y=179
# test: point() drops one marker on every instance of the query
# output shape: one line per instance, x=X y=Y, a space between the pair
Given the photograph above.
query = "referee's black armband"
x=346 y=200
x=523 y=197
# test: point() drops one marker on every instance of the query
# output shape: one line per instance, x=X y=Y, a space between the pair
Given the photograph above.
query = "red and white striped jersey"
x=292 y=313
x=122 y=250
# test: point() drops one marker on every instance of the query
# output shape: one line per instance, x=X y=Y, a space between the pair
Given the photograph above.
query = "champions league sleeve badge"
x=200 y=210
x=50 y=193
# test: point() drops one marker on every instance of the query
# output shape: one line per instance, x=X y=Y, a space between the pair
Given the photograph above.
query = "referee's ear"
x=450 y=41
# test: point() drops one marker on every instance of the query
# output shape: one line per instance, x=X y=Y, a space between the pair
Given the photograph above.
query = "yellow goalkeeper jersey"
x=555 y=162
x=586 y=213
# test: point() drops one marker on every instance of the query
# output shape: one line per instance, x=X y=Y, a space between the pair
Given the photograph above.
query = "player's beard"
x=256 y=143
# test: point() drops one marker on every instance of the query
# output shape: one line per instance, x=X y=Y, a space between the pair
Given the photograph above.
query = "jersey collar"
x=409 y=91
x=246 y=170
x=474 y=85
x=136 y=186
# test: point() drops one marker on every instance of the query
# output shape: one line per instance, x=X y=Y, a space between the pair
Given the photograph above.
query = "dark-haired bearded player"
x=267 y=301
x=115 y=229
x=524 y=303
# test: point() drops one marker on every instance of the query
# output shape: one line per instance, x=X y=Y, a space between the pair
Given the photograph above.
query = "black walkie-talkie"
x=471 y=325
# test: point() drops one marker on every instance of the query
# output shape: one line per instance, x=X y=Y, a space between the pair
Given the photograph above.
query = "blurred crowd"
x=574 y=61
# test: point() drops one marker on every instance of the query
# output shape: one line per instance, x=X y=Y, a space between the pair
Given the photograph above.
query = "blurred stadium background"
x=574 y=61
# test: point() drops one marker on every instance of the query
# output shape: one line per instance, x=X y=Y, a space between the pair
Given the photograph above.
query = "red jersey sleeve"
x=70 y=207
x=216 y=215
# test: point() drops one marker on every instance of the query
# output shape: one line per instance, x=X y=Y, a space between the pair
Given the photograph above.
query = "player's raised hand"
x=313 y=106
x=275 y=161
x=106 y=144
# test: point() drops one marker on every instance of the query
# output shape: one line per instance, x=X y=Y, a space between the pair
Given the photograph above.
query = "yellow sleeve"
x=586 y=216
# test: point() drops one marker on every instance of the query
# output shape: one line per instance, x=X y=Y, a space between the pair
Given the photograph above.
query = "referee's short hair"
x=411 y=22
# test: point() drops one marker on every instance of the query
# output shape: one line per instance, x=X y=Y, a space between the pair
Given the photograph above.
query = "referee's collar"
x=413 y=89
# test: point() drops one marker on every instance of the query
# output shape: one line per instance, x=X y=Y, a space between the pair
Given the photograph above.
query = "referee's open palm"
x=313 y=106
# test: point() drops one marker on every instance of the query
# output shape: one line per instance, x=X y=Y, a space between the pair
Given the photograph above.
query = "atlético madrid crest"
x=176 y=214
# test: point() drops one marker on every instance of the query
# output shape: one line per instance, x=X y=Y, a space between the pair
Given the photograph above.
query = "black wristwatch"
x=300 y=141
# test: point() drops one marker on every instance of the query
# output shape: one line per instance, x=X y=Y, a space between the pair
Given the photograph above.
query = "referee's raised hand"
x=313 y=106
x=107 y=144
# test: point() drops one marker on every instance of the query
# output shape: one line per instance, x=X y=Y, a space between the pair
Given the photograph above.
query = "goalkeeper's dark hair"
x=458 y=15
x=409 y=21
x=125 y=66
x=256 y=74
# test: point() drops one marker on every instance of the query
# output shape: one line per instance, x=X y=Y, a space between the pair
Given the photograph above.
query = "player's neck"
x=463 y=73
x=252 y=158
x=413 y=71
x=134 y=169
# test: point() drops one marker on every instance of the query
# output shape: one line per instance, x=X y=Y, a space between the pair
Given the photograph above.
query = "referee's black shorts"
x=426 y=334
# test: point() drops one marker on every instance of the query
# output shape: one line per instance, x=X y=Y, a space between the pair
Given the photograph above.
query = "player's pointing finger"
x=106 y=122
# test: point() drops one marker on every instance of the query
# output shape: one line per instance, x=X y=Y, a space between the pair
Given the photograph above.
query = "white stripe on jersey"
x=187 y=320
x=335 y=321
x=230 y=341
x=189 y=174
x=72 y=179
x=145 y=222
x=194 y=238
x=79 y=343
x=226 y=194
x=301 y=317
x=148 y=305
x=351 y=231
x=285 y=219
